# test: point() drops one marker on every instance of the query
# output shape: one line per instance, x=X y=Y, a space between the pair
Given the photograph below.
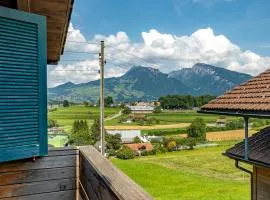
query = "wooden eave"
x=58 y=14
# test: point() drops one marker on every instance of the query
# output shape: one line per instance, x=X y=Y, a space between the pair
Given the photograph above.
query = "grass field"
x=66 y=116
x=167 y=118
x=189 y=175
x=58 y=141
x=184 y=117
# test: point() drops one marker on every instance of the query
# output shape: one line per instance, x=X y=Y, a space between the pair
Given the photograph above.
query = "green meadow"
x=203 y=174
x=65 y=116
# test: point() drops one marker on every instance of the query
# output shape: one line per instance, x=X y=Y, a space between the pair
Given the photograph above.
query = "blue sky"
x=167 y=35
x=244 y=22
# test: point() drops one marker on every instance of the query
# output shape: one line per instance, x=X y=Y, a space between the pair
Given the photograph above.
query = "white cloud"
x=164 y=51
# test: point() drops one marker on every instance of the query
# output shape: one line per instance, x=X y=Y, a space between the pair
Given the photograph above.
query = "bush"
x=197 y=129
x=152 y=152
x=157 y=109
x=65 y=103
x=190 y=142
x=111 y=152
x=137 y=139
x=171 y=145
x=126 y=110
x=144 y=153
x=125 y=153
x=52 y=123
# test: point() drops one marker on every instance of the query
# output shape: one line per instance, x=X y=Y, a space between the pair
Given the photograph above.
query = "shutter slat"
x=22 y=59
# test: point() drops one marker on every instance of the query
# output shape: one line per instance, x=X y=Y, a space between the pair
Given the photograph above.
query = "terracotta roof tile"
x=254 y=95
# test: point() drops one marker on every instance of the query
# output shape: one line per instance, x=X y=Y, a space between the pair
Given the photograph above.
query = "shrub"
x=152 y=152
x=191 y=142
x=137 y=139
x=144 y=153
x=111 y=152
x=126 y=110
x=52 y=123
x=65 y=103
x=171 y=145
x=197 y=129
x=125 y=153
x=157 y=109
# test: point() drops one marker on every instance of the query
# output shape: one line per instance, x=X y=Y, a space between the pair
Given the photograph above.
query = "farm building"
x=139 y=147
x=127 y=136
x=141 y=109
x=32 y=35
x=251 y=99
x=221 y=122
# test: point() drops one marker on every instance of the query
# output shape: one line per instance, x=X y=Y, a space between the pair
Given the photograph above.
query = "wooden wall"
x=53 y=177
x=101 y=180
x=261 y=183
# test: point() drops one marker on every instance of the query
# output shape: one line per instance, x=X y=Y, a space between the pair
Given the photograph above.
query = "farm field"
x=187 y=175
x=167 y=118
x=138 y=127
x=65 y=116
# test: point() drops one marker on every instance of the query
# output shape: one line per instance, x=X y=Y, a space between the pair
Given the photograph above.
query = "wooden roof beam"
x=23 y=5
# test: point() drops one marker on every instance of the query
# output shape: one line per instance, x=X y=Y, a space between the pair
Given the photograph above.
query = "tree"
x=108 y=101
x=125 y=153
x=95 y=130
x=86 y=103
x=126 y=110
x=137 y=139
x=65 y=103
x=52 y=123
x=80 y=133
x=113 y=141
x=157 y=109
x=190 y=142
x=197 y=129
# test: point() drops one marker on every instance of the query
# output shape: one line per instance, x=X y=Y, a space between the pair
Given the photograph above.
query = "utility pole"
x=101 y=101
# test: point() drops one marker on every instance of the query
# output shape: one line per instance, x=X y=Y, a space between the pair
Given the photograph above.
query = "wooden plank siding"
x=50 y=177
x=66 y=174
x=261 y=183
x=101 y=180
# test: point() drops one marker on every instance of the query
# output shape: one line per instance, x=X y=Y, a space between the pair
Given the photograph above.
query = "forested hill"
x=145 y=84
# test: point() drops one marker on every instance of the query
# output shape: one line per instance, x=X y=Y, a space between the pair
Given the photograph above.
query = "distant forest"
x=184 y=101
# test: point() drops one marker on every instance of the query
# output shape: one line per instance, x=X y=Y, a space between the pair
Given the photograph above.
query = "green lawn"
x=184 y=117
x=66 y=116
x=58 y=141
x=189 y=175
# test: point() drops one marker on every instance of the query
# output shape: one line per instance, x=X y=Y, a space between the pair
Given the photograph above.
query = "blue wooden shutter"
x=23 y=87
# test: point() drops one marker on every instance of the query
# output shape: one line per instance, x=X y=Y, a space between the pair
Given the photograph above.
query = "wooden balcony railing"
x=99 y=179
x=67 y=174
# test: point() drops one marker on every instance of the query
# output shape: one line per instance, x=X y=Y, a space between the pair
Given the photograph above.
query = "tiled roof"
x=259 y=148
x=140 y=146
x=254 y=95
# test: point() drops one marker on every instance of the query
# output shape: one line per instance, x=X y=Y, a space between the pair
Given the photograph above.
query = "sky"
x=164 y=34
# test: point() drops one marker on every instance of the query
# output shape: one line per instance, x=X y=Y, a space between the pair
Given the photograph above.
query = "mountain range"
x=145 y=83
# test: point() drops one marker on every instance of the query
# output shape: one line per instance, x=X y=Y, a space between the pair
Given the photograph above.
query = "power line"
x=83 y=42
x=81 y=52
x=78 y=60
x=145 y=60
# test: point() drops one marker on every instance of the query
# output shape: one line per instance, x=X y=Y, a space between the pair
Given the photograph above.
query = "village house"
x=221 y=122
x=251 y=99
x=140 y=147
x=32 y=35
x=142 y=109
